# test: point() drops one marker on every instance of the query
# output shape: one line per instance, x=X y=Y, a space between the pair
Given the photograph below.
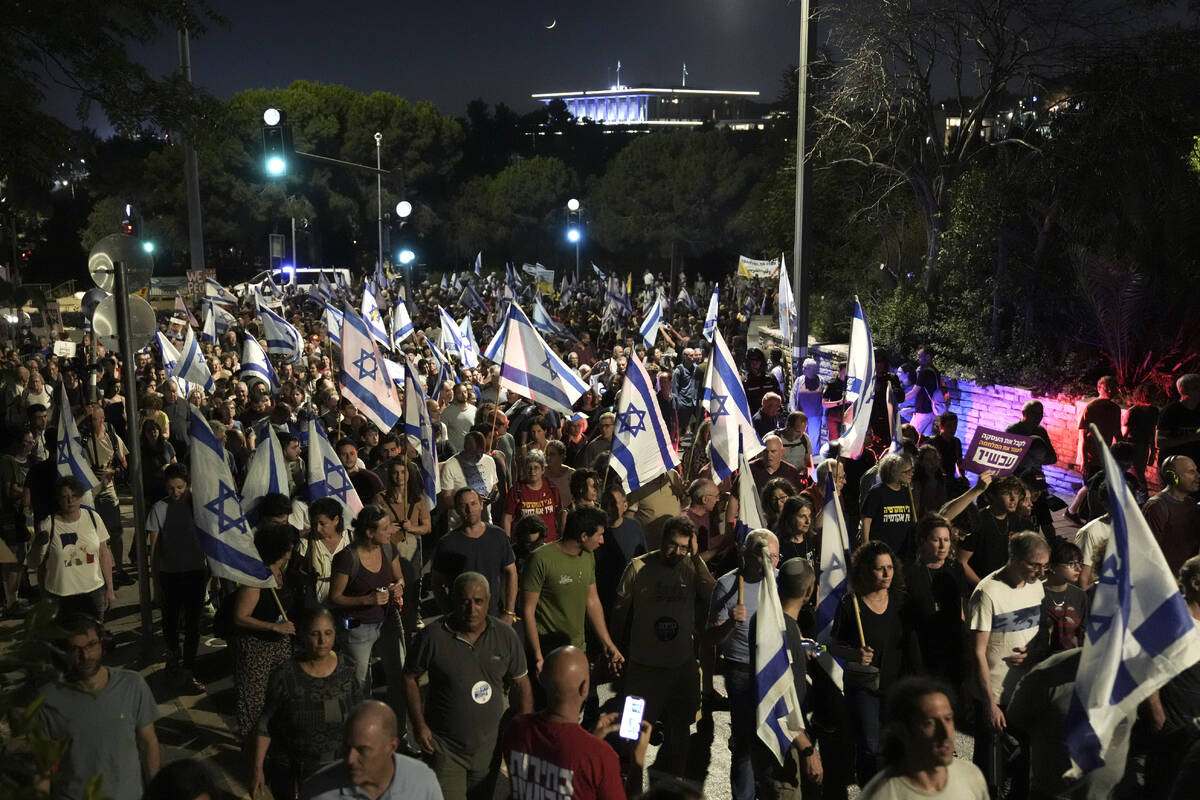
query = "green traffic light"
x=148 y=247
x=276 y=166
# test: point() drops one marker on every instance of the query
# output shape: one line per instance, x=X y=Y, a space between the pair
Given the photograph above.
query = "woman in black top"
x=936 y=585
x=157 y=453
x=264 y=636
x=308 y=701
x=794 y=530
x=888 y=645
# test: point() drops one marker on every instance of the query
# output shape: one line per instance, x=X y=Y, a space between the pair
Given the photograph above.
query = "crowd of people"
x=487 y=620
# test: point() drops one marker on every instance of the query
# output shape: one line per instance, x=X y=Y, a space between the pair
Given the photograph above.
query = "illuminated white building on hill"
x=652 y=106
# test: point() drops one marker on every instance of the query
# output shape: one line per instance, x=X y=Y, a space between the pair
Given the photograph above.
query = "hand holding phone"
x=631 y=718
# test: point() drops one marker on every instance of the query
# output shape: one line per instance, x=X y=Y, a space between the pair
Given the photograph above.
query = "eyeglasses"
x=1035 y=566
x=674 y=547
x=1072 y=564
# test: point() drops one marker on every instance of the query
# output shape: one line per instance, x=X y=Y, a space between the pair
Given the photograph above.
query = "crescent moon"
x=552 y=24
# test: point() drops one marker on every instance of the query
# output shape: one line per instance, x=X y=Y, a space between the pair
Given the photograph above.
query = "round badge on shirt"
x=481 y=692
x=666 y=628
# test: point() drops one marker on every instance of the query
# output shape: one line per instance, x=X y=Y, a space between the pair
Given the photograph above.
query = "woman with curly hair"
x=870 y=629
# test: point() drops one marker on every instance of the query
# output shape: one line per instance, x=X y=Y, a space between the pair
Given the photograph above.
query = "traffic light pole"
x=129 y=389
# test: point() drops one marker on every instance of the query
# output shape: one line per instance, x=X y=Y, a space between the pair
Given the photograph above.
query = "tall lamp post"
x=574 y=230
x=379 y=195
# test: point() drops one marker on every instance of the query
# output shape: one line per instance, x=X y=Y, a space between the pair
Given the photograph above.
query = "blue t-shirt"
x=736 y=646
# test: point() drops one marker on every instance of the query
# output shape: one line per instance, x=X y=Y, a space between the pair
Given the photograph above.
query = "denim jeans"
x=360 y=642
x=866 y=712
x=739 y=685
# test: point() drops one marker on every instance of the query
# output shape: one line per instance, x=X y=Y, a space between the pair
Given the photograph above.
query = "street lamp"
x=406 y=256
x=574 y=232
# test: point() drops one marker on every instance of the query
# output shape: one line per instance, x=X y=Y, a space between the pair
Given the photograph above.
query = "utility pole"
x=801 y=279
x=195 y=223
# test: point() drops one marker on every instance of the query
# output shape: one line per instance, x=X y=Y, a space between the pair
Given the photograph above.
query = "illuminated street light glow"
x=271 y=116
x=572 y=204
x=407 y=256
x=573 y=235
x=276 y=165
x=403 y=209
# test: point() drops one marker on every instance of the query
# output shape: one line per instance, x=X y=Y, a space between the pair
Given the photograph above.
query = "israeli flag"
x=218 y=293
x=221 y=527
x=548 y=324
x=266 y=473
x=282 y=337
x=710 y=319
x=216 y=321
x=326 y=475
x=642 y=448
x=364 y=377
x=750 y=514
x=1136 y=640
x=777 y=711
x=787 y=306
x=513 y=279
x=725 y=400
x=566 y=292
x=402 y=325
x=191 y=365
x=835 y=573
x=471 y=299
x=651 y=323
x=860 y=386
x=450 y=339
x=170 y=356
x=685 y=299
x=182 y=311
x=370 y=315
x=256 y=364
x=529 y=368
x=618 y=297
x=71 y=459
x=333 y=324
x=445 y=368
x=418 y=423
x=599 y=272
x=170 y=361
x=470 y=346
x=479 y=263
x=324 y=288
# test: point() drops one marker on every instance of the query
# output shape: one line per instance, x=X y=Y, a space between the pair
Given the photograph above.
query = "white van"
x=302 y=277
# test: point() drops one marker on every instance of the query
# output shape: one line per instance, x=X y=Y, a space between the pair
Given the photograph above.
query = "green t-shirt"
x=563 y=582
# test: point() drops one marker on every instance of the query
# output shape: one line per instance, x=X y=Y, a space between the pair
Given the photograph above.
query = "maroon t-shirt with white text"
x=550 y=760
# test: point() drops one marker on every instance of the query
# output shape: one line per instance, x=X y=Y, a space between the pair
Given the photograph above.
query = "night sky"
x=451 y=51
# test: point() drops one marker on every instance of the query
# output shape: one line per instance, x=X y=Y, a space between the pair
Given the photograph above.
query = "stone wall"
x=998 y=407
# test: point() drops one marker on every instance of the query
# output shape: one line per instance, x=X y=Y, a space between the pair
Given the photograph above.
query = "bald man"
x=549 y=753
x=372 y=768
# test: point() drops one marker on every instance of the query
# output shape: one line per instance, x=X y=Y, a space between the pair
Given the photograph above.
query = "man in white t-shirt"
x=1003 y=616
x=920 y=748
x=472 y=468
x=458 y=417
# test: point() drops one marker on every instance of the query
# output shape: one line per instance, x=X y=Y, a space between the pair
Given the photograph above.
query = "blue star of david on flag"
x=342 y=491
x=550 y=368
x=721 y=400
x=361 y=364
x=225 y=522
x=64 y=452
x=631 y=425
